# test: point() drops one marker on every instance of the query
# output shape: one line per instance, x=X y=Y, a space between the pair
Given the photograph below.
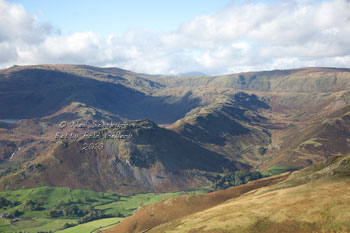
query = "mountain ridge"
x=254 y=120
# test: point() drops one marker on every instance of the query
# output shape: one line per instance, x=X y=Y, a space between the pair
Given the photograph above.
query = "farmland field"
x=34 y=207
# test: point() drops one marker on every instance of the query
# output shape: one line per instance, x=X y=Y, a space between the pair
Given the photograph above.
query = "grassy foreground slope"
x=170 y=210
x=314 y=199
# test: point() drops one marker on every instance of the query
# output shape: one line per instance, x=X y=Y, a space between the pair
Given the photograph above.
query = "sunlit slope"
x=172 y=209
x=315 y=199
x=294 y=80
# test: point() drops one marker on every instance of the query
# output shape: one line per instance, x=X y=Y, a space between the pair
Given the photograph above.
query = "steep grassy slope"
x=314 y=199
x=148 y=217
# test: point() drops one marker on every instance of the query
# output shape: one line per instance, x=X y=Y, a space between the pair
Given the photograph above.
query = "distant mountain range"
x=193 y=73
x=185 y=130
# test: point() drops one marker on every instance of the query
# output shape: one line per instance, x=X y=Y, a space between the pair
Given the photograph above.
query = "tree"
x=14 y=214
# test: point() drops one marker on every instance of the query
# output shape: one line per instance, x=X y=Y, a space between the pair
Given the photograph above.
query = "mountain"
x=305 y=120
x=193 y=73
x=317 y=79
x=314 y=199
x=196 y=126
x=151 y=160
x=233 y=127
x=24 y=93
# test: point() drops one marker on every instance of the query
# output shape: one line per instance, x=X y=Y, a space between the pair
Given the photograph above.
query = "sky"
x=172 y=37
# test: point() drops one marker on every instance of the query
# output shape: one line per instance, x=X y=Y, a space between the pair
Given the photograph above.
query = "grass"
x=5 y=226
x=127 y=205
x=275 y=170
x=101 y=224
x=40 y=224
x=48 y=197
x=318 y=206
x=176 y=208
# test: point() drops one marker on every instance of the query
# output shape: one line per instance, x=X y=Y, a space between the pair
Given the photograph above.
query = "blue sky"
x=171 y=37
x=117 y=16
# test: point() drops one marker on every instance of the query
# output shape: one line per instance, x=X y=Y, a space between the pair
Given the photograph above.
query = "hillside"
x=24 y=93
x=271 y=121
x=294 y=80
x=113 y=130
x=153 y=159
x=234 y=127
x=314 y=199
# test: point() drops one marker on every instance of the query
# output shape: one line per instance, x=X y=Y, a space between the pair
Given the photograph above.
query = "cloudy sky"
x=170 y=37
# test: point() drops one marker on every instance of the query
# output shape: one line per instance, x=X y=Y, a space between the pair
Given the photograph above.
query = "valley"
x=172 y=134
x=44 y=209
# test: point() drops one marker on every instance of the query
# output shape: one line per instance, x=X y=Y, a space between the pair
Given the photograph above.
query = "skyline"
x=157 y=38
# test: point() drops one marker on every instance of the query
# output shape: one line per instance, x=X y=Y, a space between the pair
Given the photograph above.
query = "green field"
x=36 y=217
x=275 y=170
x=96 y=225
x=35 y=225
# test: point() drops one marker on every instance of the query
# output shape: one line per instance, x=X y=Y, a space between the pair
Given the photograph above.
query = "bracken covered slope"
x=314 y=199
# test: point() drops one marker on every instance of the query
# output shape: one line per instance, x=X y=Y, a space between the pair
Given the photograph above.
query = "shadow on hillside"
x=34 y=93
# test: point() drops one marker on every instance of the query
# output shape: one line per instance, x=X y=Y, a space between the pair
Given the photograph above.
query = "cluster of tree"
x=6 y=203
x=33 y=206
x=94 y=214
x=13 y=214
x=67 y=209
x=230 y=179
x=89 y=214
x=67 y=225
x=71 y=209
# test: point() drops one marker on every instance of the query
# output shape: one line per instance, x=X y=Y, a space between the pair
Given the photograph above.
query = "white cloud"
x=9 y=53
x=251 y=36
x=17 y=24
